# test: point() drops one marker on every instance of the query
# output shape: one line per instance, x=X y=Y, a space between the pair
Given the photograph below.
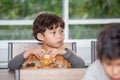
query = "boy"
x=48 y=28
x=107 y=65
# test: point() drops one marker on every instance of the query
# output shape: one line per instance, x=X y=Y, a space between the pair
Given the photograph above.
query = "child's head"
x=46 y=21
x=48 y=28
x=108 y=42
x=108 y=49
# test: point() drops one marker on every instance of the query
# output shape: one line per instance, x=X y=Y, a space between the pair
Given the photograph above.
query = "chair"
x=15 y=48
x=93 y=51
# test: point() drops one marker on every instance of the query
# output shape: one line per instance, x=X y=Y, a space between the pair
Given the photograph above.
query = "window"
x=82 y=16
x=84 y=31
x=15 y=14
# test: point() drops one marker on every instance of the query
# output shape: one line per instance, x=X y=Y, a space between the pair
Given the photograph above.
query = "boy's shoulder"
x=96 y=70
x=96 y=66
x=63 y=47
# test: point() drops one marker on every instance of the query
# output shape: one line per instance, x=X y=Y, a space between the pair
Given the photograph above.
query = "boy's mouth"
x=60 y=42
x=115 y=78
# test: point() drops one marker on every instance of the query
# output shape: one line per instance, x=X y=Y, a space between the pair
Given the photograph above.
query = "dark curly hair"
x=108 y=42
x=46 y=21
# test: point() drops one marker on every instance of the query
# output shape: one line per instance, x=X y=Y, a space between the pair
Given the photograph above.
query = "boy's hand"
x=54 y=52
x=38 y=51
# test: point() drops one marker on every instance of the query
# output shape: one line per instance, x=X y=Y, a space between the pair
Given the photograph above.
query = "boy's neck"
x=47 y=47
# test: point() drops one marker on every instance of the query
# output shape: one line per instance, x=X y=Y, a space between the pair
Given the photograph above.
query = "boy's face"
x=112 y=68
x=53 y=38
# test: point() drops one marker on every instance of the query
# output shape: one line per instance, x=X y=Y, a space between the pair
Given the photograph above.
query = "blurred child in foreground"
x=107 y=65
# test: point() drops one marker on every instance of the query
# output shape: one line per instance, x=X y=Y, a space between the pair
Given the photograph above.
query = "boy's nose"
x=115 y=70
x=59 y=35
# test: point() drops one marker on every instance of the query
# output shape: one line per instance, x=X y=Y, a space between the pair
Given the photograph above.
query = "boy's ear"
x=40 y=36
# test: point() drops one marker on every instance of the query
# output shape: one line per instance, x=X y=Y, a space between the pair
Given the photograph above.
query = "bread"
x=32 y=62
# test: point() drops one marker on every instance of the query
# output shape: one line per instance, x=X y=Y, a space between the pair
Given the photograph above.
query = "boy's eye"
x=108 y=63
x=62 y=31
x=53 y=32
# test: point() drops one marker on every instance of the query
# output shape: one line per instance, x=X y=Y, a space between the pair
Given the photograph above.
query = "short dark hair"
x=46 y=21
x=108 y=42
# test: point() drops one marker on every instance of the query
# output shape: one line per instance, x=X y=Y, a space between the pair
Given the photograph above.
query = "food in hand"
x=32 y=62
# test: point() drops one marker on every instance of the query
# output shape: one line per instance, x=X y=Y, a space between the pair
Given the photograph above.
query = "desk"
x=5 y=74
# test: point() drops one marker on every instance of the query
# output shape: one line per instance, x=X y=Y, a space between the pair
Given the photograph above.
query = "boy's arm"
x=75 y=60
x=16 y=62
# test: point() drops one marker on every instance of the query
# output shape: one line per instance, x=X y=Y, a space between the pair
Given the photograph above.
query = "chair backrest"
x=93 y=51
x=15 y=48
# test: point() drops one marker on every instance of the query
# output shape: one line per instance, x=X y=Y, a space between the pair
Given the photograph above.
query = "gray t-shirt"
x=95 y=72
x=76 y=61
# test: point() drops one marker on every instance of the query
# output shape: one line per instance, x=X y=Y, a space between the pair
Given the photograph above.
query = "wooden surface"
x=5 y=74
x=52 y=74
x=58 y=74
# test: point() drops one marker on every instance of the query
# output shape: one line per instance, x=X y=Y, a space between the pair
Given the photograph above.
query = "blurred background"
x=83 y=20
